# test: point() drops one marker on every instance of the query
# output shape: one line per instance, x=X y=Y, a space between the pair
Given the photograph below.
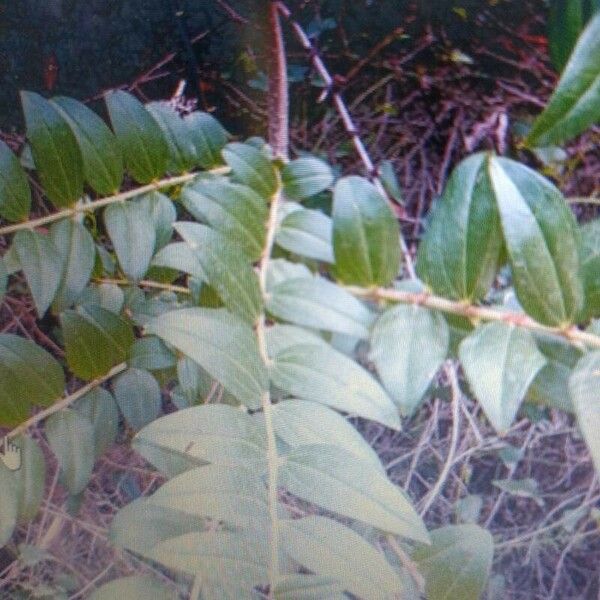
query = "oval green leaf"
x=29 y=376
x=15 y=194
x=459 y=254
x=220 y=343
x=133 y=235
x=457 y=563
x=305 y=177
x=542 y=242
x=575 y=103
x=366 y=242
x=71 y=438
x=102 y=160
x=42 y=265
x=140 y=139
x=76 y=248
x=138 y=395
x=55 y=151
x=500 y=362
x=251 y=167
x=95 y=340
x=408 y=346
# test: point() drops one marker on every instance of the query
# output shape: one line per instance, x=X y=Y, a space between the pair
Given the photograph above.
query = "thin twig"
x=120 y=197
x=349 y=125
x=571 y=333
x=65 y=402
x=456 y=398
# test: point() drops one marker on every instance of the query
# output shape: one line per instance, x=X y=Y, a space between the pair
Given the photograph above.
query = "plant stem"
x=65 y=402
x=278 y=102
x=571 y=333
x=273 y=458
x=168 y=287
x=96 y=204
x=456 y=397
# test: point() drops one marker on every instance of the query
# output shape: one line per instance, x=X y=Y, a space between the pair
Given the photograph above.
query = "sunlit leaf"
x=408 y=346
x=500 y=362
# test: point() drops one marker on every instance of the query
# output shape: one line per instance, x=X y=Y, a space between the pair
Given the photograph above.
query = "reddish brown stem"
x=278 y=87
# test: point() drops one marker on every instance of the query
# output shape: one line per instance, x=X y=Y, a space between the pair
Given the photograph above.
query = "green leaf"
x=15 y=194
x=71 y=438
x=42 y=265
x=302 y=423
x=151 y=353
x=306 y=366
x=500 y=362
x=460 y=251
x=138 y=395
x=135 y=587
x=221 y=344
x=30 y=478
x=365 y=234
x=305 y=177
x=181 y=149
x=457 y=563
x=100 y=408
x=77 y=251
x=583 y=387
x=140 y=525
x=55 y=151
x=227 y=270
x=208 y=137
x=330 y=549
x=551 y=385
x=105 y=295
x=565 y=22
x=132 y=233
x=234 y=210
x=408 y=346
x=341 y=482
x=8 y=504
x=308 y=587
x=234 y=495
x=102 y=161
x=280 y=270
x=180 y=256
x=212 y=433
x=575 y=103
x=163 y=215
x=590 y=267
x=307 y=233
x=140 y=138
x=238 y=560
x=95 y=340
x=542 y=240
x=252 y=168
x=318 y=303
x=29 y=376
